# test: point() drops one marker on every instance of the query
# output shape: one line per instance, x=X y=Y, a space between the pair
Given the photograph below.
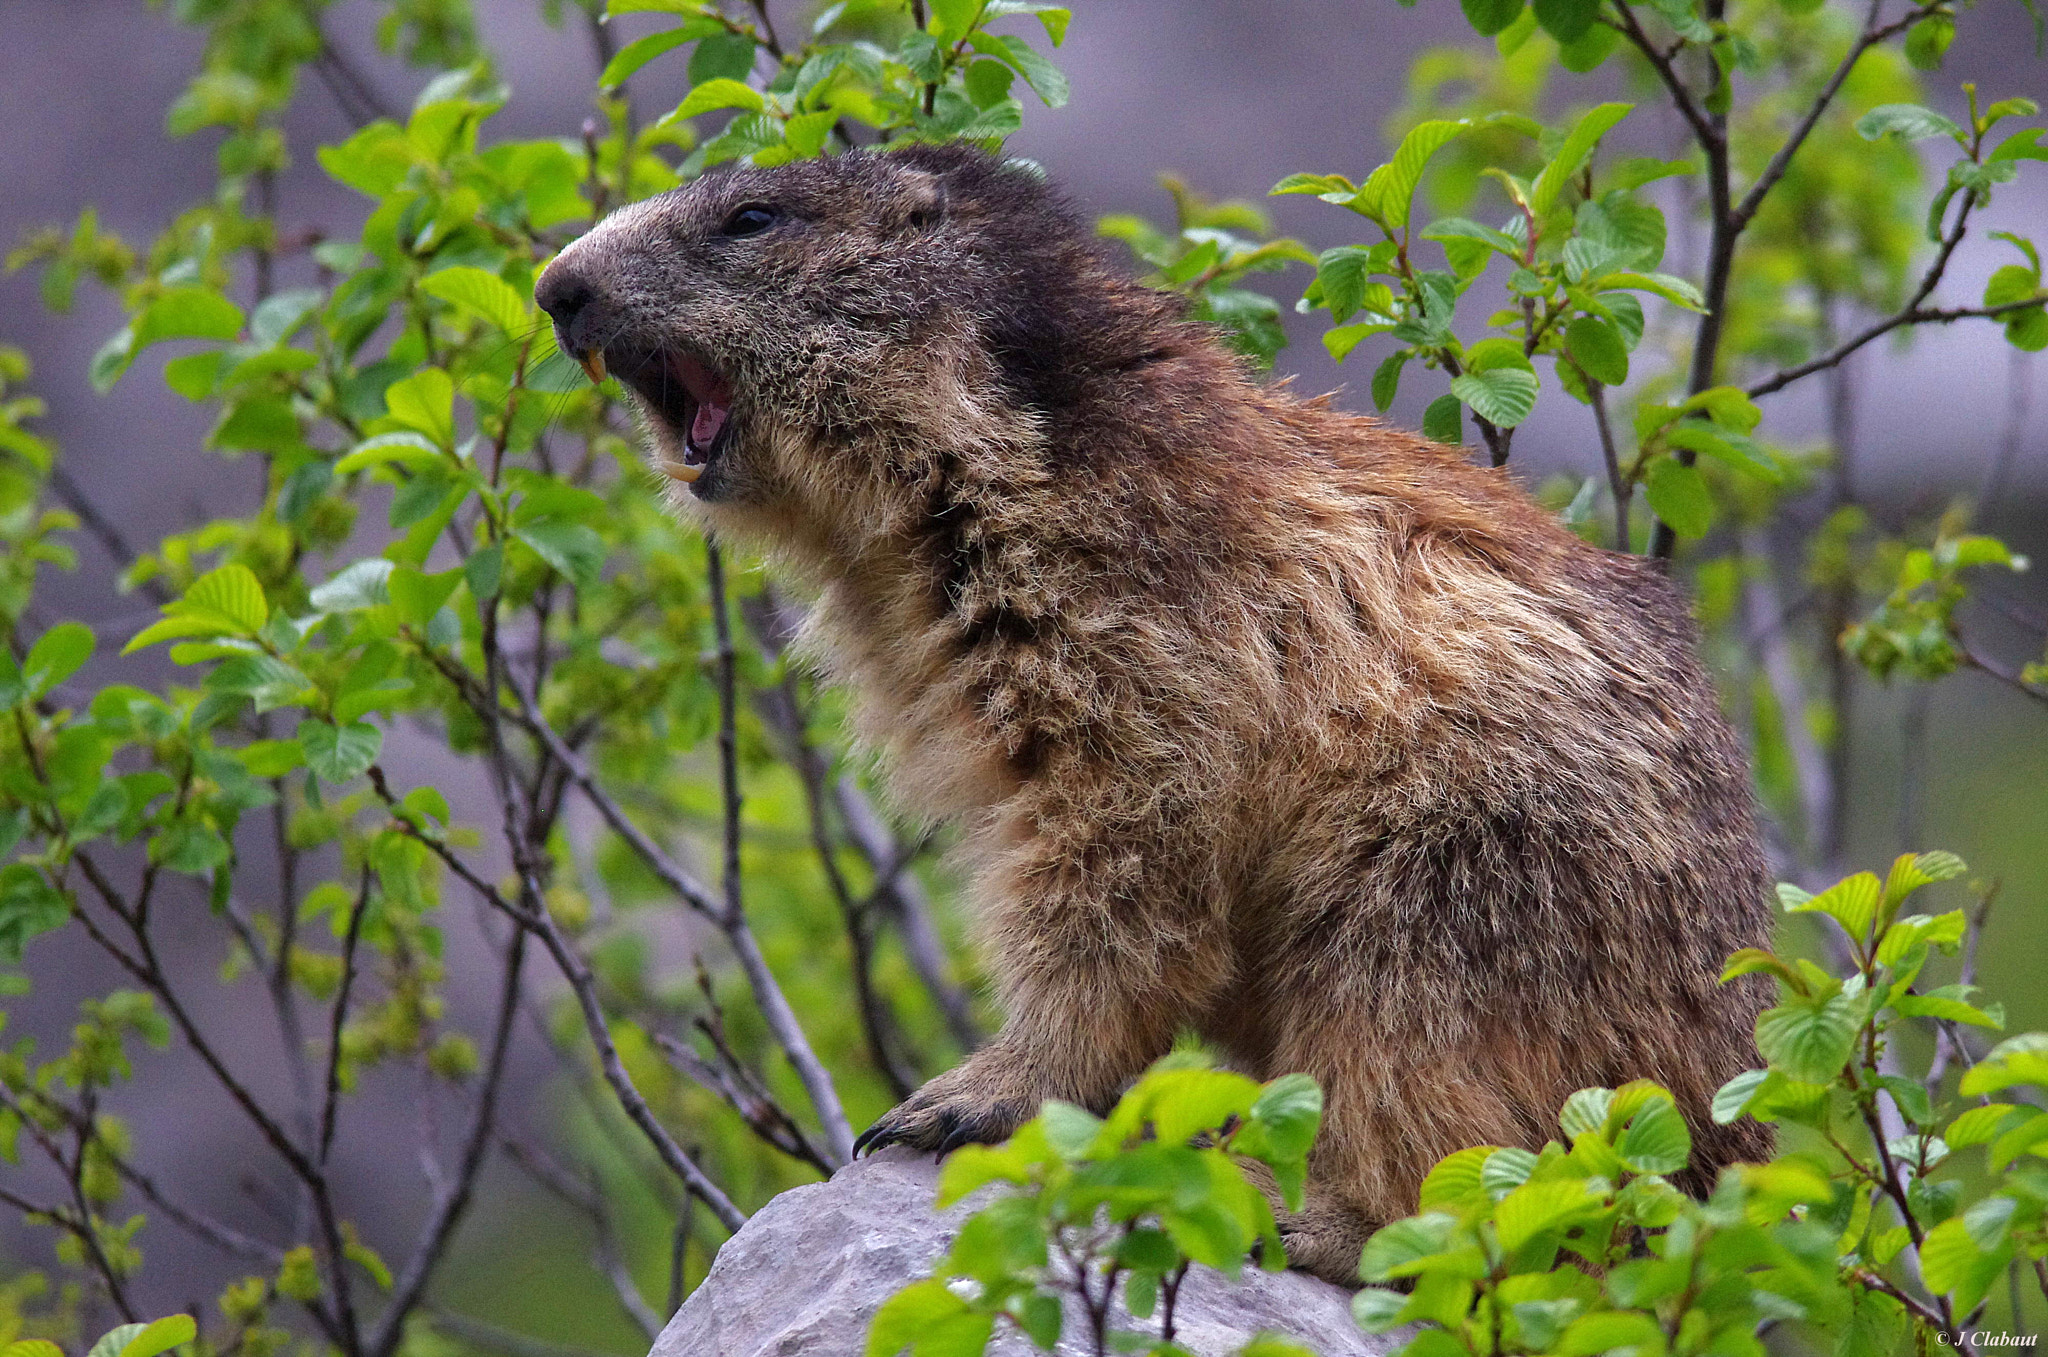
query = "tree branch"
x=454 y=1199
x=774 y=1005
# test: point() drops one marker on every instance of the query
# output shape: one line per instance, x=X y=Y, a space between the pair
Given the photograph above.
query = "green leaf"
x=161 y=1336
x=571 y=548
x=277 y=316
x=1665 y=285
x=417 y=597
x=2017 y=1060
x=1949 y=1005
x=640 y=51
x=1456 y=1179
x=115 y=1339
x=1596 y=345
x=716 y=94
x=232 y=593
x=1392 y=187
x=1290 y=1109
x=405 y=447
x=1909 y=122
x=339 y=753
x=1502 y=396
x=1656 y=1140
x=1460 y=228
x=1577 y=148
x=1951 y=1261
x=56 y=656
x=1489 y=17
x=1046 y=80
x=425 y=401
x=1629 y=1331
x=187 y=313
x=484 y=293
x=1928 y=41
x=1538 y=1207
x=2022 y=145
x=1069 y=1129
x=722 y=55
x=1566 y=20
x=1396 y=1250
x=1443 y=421
x=363 y=584
x=1589 y=49
x=925 y=1316
x=1750 y=960
x=1678 y=495
x=1733 y=1098
x=1851 y=902
x=1386 y=379
x=1809 y=1041
x=29 y=906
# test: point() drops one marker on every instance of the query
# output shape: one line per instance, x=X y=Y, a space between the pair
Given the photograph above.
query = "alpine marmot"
x=1259 y=718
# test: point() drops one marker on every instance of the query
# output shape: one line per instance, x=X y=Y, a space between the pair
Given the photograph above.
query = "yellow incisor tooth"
x=593 y=363
x=680 y=471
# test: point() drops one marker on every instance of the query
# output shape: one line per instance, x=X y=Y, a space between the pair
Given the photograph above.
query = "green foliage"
x=1913 y=632
x=453 y=536
x=1587 y=1246
x=1211 y=246
x=1091 y=1205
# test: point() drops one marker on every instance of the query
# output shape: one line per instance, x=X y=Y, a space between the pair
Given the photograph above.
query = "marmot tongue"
x=713 y=397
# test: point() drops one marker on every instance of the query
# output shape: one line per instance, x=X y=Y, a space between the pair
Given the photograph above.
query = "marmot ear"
x=921 y=204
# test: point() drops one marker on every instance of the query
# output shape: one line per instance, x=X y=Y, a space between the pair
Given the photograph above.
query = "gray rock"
x=807 y=1273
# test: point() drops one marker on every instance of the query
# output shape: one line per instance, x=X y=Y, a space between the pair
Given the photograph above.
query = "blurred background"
x=1231 y=95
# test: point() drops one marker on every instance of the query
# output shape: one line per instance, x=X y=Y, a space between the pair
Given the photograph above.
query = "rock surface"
x=807 y=1273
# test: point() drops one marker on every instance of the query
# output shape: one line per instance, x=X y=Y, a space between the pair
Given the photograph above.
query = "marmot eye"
x=745 y=221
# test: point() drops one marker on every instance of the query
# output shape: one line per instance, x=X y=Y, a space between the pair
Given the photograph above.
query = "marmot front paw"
x=1324 y=1240
x=964 y=1106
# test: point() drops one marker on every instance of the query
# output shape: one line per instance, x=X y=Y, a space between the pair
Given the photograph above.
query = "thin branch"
x=1912 y=313
x=2011 y=678
x=1616 y=484
x=768 y=996
x=900 y=895
x=222 y=1237
x=330 y=1103
x=454 y=1198
x=103 y=529
x=494 y=1339
x=1809 y=761
x=1660 y=62
x=148 y=970
x=88 y=1238
x=584 y=984
x=1871 y=36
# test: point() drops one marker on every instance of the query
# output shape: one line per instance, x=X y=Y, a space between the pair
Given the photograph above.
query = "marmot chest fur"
x=1261 y=719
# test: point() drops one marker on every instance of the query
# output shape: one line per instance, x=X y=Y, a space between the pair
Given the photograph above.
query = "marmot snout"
x=1259 y=718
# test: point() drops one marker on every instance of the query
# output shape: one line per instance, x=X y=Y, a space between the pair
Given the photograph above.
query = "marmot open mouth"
x=688 y=395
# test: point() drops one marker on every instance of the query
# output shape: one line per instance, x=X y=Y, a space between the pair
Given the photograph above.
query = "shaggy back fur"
x=1261 y=719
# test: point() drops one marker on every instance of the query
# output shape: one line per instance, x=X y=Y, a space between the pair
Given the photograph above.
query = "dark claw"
x=875 y=1137
x=954 y=1141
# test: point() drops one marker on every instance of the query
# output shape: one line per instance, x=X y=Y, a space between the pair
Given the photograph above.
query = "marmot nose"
x=564 y=293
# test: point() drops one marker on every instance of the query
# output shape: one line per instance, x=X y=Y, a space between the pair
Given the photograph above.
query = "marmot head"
x=792 y=332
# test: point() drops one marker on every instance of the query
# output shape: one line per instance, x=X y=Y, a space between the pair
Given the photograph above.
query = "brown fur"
x=1260 y=719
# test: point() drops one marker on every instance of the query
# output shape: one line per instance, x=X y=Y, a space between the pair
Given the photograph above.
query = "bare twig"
x=898 y=894
x=1912 y=313
x=1616 y=485
x=774 y=1005
x=338 y=1018
x=1788 y=692
x=1871 y=35
x=454 y=1196
x=532 y=916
